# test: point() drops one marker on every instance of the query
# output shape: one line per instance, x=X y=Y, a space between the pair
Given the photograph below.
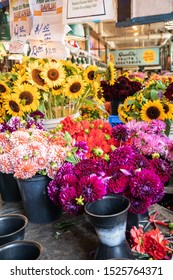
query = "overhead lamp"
x=136 y=34
x=134 y=27
x=76 y=32
x=169 y=25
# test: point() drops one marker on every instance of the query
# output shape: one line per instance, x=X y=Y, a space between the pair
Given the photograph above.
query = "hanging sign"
x=134 y=57
x=88 y=10
x=40 y=49
x=47 y=20
x=47 y=35
x=143 y=8
x=21 y=23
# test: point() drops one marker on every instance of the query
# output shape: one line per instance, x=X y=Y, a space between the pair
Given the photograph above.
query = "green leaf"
x=153 y=94
x=67 y=137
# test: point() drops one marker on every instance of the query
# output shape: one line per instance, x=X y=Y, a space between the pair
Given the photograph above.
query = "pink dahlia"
x=145 y=184
x=91 y=188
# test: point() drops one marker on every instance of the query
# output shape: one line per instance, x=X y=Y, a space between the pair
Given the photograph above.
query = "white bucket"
x=52 y=123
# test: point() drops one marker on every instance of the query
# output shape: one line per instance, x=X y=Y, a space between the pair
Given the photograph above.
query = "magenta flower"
x=91 y=188
x=86 y=167
x=118 y=183
x=145 y=184
x=122 y=156
x=68 y=201
x=162 y=168
x=120 y=132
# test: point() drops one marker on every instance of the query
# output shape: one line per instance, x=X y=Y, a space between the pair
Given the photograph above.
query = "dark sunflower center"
x=14 y=106
x=27 y=96
x=91 y=75
x=36 y=77
x=99 y=94
x=2 y=88
x=153 y=112
x=56 y=87
x=75 y=87
x=166 y=108
x=53 y=74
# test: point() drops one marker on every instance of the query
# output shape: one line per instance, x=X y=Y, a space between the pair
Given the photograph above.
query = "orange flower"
x=137 y=236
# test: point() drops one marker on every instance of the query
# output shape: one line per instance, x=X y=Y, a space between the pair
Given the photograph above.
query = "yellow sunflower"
x=168 y=109
x=12 y=105
x=121 y=113
x=4 y=89
x=152 y=110
x=33 y=75
x=53 y=74
x=57 y=90
x=2 y=112
x=20 y=80
x=28 y=96
x=75 y=87
x=129 y=103
x=89 y=73
x=97 y=93
x=70 y=68
x=112 y=75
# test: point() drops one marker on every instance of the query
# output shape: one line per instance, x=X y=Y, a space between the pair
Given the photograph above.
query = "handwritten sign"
x=43 y=7
x=40 y=49
x=16 y=46
x=20 y=24
x=88 y=10
x=47 y=28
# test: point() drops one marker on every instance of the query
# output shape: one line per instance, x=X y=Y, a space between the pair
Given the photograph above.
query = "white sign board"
x=20 y=24
x=42 y=49
x=75 y=11
x=142 y=8
x=47 y=28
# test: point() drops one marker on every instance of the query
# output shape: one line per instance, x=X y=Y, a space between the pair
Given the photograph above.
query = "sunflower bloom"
x=4 y=89
x=89 y=73
x=33 y=75
x=53 y=74
x=75 y=87
x=12 y=105
x=111 y=73
x=168 y=109
x=97 y=93
x=152 y=110
x=28 y=96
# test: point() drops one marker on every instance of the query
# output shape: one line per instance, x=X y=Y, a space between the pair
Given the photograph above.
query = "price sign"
x=42 y=49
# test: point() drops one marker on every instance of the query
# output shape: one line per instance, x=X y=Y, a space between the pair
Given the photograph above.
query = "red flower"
x=153 y=248
x=70 y=126
x=151 y=243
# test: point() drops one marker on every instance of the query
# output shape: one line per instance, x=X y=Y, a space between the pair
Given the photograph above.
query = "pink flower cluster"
x=28 y=152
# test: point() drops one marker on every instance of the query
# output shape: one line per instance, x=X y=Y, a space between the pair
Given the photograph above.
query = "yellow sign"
x=149 y=56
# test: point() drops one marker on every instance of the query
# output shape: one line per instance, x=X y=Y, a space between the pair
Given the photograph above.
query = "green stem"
x=81 y=101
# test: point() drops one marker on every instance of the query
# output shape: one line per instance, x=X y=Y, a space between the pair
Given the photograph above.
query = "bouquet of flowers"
x=101 y=169
x=152 y=102
x=28 y=152
x=34 y=119
x=55 y=87
x=150 y=245
x=121 y=89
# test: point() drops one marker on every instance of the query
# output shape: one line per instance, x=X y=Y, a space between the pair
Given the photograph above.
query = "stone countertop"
x=76 y=242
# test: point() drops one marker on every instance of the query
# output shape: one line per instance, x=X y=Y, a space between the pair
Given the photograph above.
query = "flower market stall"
x=84 y=158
